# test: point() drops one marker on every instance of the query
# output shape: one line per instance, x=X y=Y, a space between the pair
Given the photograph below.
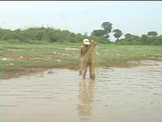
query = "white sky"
x=135 y=17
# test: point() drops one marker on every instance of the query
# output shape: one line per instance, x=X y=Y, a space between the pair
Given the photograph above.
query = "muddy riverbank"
x=116 y=95
x=35 y=70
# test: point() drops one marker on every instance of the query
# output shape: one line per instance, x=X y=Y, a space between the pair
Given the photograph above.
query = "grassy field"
x=27 y=58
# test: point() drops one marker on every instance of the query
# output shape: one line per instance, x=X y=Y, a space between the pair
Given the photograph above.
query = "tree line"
x=151 y=38
x=50 y=35
x=47 y=34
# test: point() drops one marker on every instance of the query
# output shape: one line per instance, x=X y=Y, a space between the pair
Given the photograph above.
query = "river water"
x=61 y=95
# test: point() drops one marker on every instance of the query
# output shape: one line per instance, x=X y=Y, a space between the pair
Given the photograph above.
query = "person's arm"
x=95 y=43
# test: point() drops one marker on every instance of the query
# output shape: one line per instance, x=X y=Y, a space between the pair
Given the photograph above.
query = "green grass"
x=39 y=56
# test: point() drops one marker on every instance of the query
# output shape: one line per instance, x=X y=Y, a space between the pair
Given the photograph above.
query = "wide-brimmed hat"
x=86 y=41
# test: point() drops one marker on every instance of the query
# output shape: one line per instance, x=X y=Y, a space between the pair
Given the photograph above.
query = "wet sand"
x=61 y=95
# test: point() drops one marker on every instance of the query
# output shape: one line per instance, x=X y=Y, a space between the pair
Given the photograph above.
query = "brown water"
x=59 y=95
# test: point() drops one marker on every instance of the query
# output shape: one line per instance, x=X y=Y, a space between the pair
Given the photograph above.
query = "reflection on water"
x=116 y=95
x=86 y=96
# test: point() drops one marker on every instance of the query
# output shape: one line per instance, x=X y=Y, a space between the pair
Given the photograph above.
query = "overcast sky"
x=135 y=17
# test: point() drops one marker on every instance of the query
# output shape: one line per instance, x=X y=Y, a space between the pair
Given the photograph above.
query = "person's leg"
x=90 y=70
x=80 y=72
x=80 y=69
x=85 y=71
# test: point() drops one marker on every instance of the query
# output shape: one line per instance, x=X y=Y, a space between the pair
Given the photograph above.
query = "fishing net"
x=87 y=60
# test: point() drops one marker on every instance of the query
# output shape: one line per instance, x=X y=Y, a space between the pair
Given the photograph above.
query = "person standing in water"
x=86 y=56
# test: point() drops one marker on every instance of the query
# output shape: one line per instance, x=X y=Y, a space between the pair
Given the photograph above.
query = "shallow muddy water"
x=61 y=95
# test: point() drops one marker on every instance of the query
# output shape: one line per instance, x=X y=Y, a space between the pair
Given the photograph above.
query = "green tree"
x=127 y=35
x=98 y=33
x=152 y=33
x=144 y=39
x=157 y=40
x=107 y=26
x=117 y=33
